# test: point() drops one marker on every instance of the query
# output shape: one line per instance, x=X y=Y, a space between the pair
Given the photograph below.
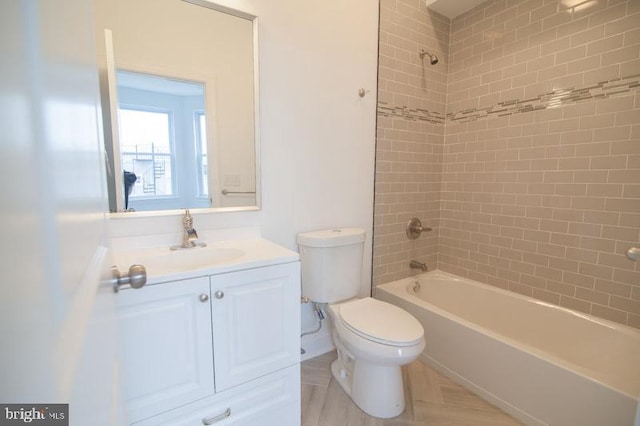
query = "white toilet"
x=373 y=338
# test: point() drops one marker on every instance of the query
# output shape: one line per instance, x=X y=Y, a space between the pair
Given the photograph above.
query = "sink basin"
x=196 y=257
x=161 y=261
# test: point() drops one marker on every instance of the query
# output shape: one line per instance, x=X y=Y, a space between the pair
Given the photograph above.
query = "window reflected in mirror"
x=163 y=142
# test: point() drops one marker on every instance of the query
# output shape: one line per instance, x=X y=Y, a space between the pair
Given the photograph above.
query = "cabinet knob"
x=204 y=297
x=219 y=294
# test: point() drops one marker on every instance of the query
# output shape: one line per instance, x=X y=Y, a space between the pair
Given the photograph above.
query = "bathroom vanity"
x=213 y=337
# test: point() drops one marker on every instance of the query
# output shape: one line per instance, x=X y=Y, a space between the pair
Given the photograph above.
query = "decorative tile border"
x=411 y=114
x=556 y=98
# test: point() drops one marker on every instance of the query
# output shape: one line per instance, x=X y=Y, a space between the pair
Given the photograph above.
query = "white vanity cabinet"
x=221 y=349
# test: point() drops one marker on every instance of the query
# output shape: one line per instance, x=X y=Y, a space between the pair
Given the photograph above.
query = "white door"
x=256 y=322
x=166 y=343
x=56 y=321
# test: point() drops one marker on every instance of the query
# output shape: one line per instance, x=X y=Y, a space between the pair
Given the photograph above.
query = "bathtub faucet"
x=414 y=264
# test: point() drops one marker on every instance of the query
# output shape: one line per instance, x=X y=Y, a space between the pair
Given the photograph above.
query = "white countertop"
x=218 y=257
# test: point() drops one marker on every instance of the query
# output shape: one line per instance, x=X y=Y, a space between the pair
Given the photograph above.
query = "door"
x=166 y=339
x=256 y=322
x=56 y=320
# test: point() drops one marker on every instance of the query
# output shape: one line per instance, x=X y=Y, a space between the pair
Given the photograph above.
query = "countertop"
x=218 y=257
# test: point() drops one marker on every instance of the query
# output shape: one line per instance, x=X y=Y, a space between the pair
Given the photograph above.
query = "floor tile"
x=431 y=399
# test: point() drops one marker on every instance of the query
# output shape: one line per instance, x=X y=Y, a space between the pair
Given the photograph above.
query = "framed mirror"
x=180 y=104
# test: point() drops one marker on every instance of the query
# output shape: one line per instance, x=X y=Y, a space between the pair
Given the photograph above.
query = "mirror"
x=179 y=91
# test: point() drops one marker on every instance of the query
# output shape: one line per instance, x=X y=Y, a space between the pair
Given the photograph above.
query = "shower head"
x=433 y=59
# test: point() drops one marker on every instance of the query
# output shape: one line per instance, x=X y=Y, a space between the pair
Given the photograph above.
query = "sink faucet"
x=414 y=264
x=189 y=235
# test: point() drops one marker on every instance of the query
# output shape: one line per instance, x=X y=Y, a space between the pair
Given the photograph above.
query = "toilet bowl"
x=374 y=339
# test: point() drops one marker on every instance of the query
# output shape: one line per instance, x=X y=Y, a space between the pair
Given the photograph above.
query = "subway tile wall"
x=539 y=190
x=410 y=135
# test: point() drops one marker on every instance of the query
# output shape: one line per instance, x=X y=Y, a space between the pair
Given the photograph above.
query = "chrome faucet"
x=189 y=235
x=414 y=264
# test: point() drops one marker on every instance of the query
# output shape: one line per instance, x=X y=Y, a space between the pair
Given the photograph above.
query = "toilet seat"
x=381 y=322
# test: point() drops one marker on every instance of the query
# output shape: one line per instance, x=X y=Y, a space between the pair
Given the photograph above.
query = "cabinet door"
x=167 y=348
x=256 y=322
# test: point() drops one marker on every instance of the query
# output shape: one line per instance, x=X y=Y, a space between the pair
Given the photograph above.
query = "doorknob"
x=136 y=278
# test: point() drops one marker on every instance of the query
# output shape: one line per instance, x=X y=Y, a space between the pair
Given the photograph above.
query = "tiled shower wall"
x=410 y=139
x=541 y=178
x=540 y=182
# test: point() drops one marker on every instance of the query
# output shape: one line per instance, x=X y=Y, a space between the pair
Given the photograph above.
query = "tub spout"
x=414 y=264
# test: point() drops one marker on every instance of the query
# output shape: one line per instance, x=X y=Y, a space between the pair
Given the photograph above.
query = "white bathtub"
x=541 y=363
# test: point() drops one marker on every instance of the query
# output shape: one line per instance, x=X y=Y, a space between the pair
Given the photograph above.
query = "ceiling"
x=452 y=8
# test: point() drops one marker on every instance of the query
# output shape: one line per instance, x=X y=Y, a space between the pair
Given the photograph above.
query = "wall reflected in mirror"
x=178 y=82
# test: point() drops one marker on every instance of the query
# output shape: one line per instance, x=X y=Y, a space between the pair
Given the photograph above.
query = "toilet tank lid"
x=331 y=237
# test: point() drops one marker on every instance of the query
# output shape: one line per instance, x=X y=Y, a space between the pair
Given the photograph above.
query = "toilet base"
x=376 y=389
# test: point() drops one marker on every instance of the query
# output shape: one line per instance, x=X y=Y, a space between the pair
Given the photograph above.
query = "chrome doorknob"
x=136 y=277
x=204 y=297
x=219 y=294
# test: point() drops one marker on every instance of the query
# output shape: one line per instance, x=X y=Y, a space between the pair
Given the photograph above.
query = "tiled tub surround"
x=544 y=211
x=540 y=185
x=545 y=199
x=410 y=138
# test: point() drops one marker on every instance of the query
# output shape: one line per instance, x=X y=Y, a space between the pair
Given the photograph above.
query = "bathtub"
x=543 y=364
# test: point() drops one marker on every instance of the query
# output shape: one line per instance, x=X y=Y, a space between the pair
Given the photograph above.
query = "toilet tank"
x=331 y=263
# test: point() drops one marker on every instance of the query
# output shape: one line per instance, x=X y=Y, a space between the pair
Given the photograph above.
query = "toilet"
x=373 y=338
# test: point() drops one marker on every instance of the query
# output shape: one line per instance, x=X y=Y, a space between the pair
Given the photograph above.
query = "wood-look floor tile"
x=452 y=415
x=431 y=399
x=312 y=399
x=315 y=375
x=338 y=410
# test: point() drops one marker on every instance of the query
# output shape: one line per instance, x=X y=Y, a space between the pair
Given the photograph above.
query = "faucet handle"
x=414 y=228
x=187 y=220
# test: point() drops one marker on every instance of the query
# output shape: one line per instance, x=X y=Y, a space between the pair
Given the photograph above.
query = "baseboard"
x=316 y=344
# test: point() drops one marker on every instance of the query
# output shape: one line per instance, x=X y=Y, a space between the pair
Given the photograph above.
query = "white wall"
x=317 y=134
